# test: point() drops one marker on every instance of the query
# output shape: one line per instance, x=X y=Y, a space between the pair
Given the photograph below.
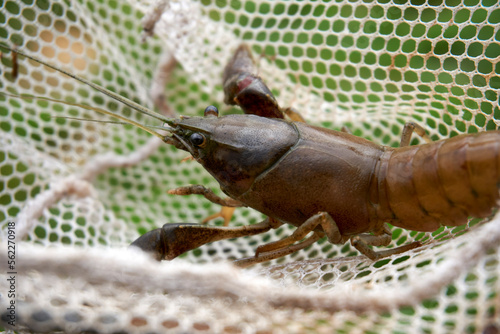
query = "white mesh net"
x=78 y=193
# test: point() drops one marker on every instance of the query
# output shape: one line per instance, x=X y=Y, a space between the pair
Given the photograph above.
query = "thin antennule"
x=91 y=120
x=99 y=110
x=106 y=122
x=103 y=90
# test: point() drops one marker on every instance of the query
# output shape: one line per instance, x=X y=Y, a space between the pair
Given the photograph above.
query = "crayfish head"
x=235 y=149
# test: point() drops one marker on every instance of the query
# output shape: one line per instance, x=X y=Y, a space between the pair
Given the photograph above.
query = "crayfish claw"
x=152 y=243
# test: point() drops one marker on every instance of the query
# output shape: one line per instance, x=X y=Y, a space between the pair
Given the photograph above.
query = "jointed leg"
x=323 y=219
x=294 y=115
x=285 y=246
x=408 y=130
x=268 y=256
x=228 y=204
x=207 y=193
x=225 y=213
x=362 y=241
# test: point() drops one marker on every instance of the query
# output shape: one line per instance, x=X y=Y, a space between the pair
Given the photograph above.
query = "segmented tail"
x=441 y=183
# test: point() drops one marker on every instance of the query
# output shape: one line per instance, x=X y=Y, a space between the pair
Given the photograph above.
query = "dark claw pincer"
x=165 y=243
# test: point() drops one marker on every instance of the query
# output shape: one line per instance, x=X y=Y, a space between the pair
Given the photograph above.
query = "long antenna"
x=96 y=120
x=103 y=90
x=99 y=110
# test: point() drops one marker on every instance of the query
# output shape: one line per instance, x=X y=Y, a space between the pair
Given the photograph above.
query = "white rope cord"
x=34 y=209
x=79 y=186
x=135 y=271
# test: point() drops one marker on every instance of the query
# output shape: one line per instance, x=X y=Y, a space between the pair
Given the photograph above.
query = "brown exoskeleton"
x=324 y=182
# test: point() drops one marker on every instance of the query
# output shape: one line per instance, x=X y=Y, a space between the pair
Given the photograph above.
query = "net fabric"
x=80 y=192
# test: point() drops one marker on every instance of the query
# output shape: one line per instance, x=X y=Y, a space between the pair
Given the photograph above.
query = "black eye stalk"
x=211 y=111
x=197 y=139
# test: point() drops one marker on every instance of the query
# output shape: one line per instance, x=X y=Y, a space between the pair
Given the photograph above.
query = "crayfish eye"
x=198 y=139
x=211 y=111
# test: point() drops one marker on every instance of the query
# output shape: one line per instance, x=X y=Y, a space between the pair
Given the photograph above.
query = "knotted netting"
x=75 y=193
